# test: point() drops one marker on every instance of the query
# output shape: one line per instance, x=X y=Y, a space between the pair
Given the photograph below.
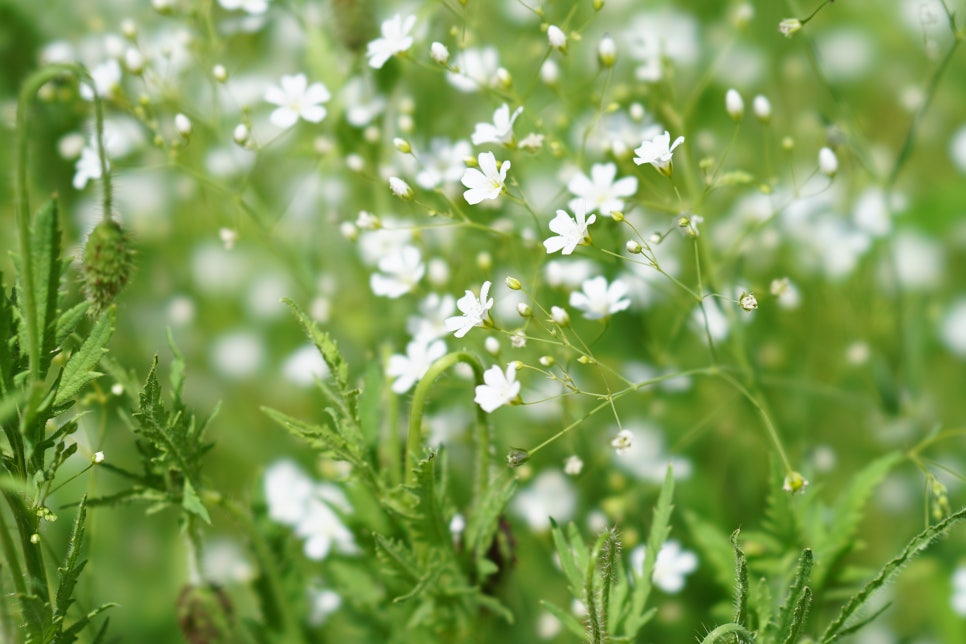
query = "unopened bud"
x=400 y=188
x=439 y=53
x=789 y=27
x=402 y=145
x=108 y=264
x=524 y=310
x=734 y=104
x=828 y=163
x=559 y=315
x=183 y=125
x=633 y=247
x=513 y=283
x=748 y=301
x=762 y=109
x=557 y=38
x=606 y=51
x=220 y=73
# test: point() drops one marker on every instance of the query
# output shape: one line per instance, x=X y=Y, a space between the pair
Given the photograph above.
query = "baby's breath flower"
x=748 y=301
x=500 y=131
x=134 y=60
x=761 y=106
x=559 y=316
x=633 y=247
x=487 y=182
x=400 y=188
x=97 y=458
x=499 y=388
x=571 y=231
x=395 y=39
x=828 y=163
x=439 y=53
x=220 y=73
x=573 y=465
x=606 y=51
x=297 y=99
x=406 y=370
x=658 y=152
x=789 y=27
x=557 y=38
x=524 y=310
x=598 y=299
x=795 y=483
x=183 y=125
x=734 y=104
x=476 y=311
x=622 y=442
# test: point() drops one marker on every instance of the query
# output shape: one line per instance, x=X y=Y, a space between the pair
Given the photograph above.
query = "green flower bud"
x=108 y=264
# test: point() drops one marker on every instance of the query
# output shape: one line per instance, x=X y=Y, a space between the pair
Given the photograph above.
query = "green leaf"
x=888 y=572
x=566 y=618
x=717 y=550
x=660 y=527
x=796 y=593
x=570 y=562
x=79 y=368
x=741 y=582
x=70 y=571
x=9 y=357
x=45 y=244
x=191 y=502
x=326 y=346
x=68 y=321
x=484 y=517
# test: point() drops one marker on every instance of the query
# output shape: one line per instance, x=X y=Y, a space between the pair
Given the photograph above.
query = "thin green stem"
x=765 y=416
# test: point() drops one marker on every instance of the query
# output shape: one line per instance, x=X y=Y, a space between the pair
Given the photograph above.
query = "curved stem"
x=414 y=437
x=22 y=196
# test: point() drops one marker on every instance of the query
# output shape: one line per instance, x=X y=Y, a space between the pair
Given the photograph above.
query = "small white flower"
x=573 y=465
x=439 y=53
x=734 y=104
x=658 y=152
x=253 y=7
x=443 y=163
x=600 y=191
x=672 y=565
x=398 y=273
x=475 y=311
x=400 y=188
x=761 y=106
x=297 y=99
x=134 y=60
x=408 y=369
x=571 y=231
x=98 y=458
x=476 y=69
x=487 y=182
x=549 y=73
x=499 y=389
x=501 y=130
x=395 y=39
x=828 y=163
x=182 y=124
x=958 y=599
x=322 y=603
x=87 y=168
x=557 y=38
x=598 y=299
x=107 y=77
x=622 y=442
x=550 y=494
x=431 y=322
x=748 y=301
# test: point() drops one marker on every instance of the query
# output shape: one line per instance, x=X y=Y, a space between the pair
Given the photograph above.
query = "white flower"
x=557 y=38
x=828 y=163
x=398 y=273
x=248 y=6
x=549 y=495
x=431 y=323
x=297 y=99
x=600 y=191
x=958 y=599
x=87 y=168
x=499 y=389
x=98 y=458
x=571 y=231
x=182 y=124
x=322 y=603
x=443 y=163
x=287 y=491
x=501 y=130
x=672 y=565
x=477 y=68
x=622 y=442
x=107 y=77
x=748 y=301
x=395 y=39
x=475 y=310
x=321 y=527
x=658 y=152
x=599 y=300
x=439 y=53
x=304 y=366
x=573 y=465
x=761 y=106
x=408 y=369
x=607 y=51
x=734 y=104
x=400 y=188
x=952 y=328
x=487 y=182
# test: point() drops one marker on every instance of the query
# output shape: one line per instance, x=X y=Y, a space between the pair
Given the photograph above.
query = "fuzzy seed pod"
x=108 y=263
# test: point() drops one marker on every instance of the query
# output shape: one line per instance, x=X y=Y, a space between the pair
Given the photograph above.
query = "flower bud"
x=220 y=73
x=402 y=145
x=517 y=457
x=762 y=109
x=524 y=310
x=492 y=345
x=828 y=163
x=557 y=38
x=400 y=188
x=734 y=104
x=134 y=60
x=439 y=53
x=97 y=458
x=748 y=301
x=547 y=361
x=789 y=27
x=549 y=73
x=241 y=134
x=795 y=483
x=107 y=265
x=559 y=315
x=606 y=51
x=513 y=283
x=633 y=247
x=182 y=124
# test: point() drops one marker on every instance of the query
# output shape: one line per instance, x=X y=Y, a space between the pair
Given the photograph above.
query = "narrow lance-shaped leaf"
x=45 y=240
x=741 y=582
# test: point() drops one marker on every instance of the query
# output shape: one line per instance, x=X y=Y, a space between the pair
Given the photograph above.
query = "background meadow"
x=853 y=351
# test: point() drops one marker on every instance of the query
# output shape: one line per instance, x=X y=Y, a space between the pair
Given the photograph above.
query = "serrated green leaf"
x=326 y=346
x=70 y=571
x=485 y=512
x=568 y=560
x=191 y=502
x=887 y=573
x=796 y=592
x=68 y=320
x=79 y=368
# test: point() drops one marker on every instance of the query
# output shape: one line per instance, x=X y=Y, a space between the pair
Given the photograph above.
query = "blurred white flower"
x=571 y=231
x=501 y=130
x=304 y=365
x=362 y=102
x=476 y=69
x=828 y=163
x=253 y=7
x=645 y=457
x=958 y=598
x=600 y=191
x=322 y=603
x=287 y=491
x=499 y=388
x=443 y=162
x=398 y=273
x=107 y=77
x=395 y=39
x=431 y=321
x=672 y=565
x=321 y=527
x=658 y=152
x=238 y=355
x=952 y=328
x=622 y=442
x=407 y=369
x=573 y=466
x=475 y=310
x=549 y=495
x=297 y=99
x=439 y=53
x=734 y=104
x=87 y=168
x=224 y=561
x=487 y=182
x=568 y=274
x=598 y=299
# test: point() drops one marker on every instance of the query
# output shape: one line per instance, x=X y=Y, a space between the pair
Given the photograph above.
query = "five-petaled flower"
x=598 y=299
x=571 y=231
x=395 y=39
x=499 y=389
x=600 y=191
x=500 y=130
x=297 y=99
x=487 y=182
x=658 y=152
x=476 y=311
